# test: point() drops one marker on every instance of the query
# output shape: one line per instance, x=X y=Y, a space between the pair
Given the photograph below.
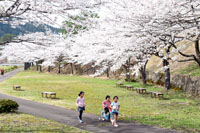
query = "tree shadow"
x=19 y=90
x=53 y=98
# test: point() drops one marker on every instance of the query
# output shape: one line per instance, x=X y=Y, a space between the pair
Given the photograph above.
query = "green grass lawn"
x=8 y=68
x=17 y=122
x=177 y=111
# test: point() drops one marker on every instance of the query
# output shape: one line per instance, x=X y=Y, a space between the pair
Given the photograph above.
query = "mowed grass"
x=177 y=111
x=8 y=68
x=17 y=122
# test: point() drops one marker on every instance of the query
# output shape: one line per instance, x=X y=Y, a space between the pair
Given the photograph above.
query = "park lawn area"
x=177 y=111
x=8 y=68
x=17 y=122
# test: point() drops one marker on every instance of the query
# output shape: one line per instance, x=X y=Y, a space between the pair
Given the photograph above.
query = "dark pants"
x=81 y=109
x=80 y=114
x=106 y=109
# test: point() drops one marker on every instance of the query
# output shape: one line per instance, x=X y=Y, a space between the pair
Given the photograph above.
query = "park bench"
x=129 y=87
x=141 y=90
x=16 y=87
x=157 y=94
x=119 y=84
x=49 y=94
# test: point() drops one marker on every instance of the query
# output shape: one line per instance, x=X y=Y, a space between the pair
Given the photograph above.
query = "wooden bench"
x=119 y=84
x=141 y=90
x=16 y=87
x=129 y=87
x=51 y=95
x=157 y=94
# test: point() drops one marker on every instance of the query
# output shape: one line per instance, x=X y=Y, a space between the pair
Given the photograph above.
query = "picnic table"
x=48 y=94
x=157 y=94
x=16 y=87
x=129 y=87
x=119 y=84
x=141 y=90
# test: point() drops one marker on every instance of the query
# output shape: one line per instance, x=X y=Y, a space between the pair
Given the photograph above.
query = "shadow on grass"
x=165 y=99
x=21 y=90
x=12 y=112
x=148 y=94
x=18 y=90
x=53 y=98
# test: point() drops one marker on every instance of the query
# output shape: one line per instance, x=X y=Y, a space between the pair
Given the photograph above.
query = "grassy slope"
x=8 y=68
x=185 y=68
x=178 y=112
x=17 y=122
x=192 y=70
x=155 y=63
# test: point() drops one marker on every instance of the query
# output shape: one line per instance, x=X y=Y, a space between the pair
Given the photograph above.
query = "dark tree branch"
x=185 y=60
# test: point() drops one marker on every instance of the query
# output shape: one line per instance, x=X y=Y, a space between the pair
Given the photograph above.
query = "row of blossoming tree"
x=106 y=33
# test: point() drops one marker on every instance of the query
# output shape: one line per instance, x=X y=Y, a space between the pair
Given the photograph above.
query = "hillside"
x=188 y=68
x=22 y=29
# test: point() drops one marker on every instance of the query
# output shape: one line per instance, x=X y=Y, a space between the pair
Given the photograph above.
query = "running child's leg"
x=115 y=119
x=80 y=114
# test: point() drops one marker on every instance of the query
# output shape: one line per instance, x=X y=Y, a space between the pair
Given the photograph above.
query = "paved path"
x=69 y=117
x=10 y=74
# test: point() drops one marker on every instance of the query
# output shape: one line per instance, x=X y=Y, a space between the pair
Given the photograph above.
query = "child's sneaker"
x=116 y=125
x=80 y=120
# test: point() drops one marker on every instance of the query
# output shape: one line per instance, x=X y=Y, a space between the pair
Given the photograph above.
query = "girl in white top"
x=115 y=110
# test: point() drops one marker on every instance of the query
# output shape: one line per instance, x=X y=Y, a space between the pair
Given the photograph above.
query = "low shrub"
x=130 y=80
x=7 y=106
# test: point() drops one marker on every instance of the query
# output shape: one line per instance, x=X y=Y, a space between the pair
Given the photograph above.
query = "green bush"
x=130 y=80
x=8 y=106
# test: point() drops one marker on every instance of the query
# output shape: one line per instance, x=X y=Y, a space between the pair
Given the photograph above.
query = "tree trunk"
x=72 y=71
x=143 y=73
x=59 y=71
x=49 y=68
x=40 y=68
x=197 y=59
x=25 y=65
x=37 y=66
x=167 y=74
x=29 y=65
x=107 y=73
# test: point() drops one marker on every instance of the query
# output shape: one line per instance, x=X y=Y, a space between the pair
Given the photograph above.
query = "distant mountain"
x=22 y=29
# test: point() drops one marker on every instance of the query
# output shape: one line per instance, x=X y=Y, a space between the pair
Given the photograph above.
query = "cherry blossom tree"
x=118 y=30
x=52 y=13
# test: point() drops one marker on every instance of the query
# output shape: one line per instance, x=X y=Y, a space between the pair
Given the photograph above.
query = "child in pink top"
x=80 y=102
x=106 y=105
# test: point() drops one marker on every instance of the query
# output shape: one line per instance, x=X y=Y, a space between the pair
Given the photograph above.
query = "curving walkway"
x=69 y=117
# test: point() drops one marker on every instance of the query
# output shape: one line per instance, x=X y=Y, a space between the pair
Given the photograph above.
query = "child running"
x=115 y=110
x=106 y=104
x=80 y=102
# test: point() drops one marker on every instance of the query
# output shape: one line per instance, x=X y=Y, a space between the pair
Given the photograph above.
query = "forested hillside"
x=22 y=29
